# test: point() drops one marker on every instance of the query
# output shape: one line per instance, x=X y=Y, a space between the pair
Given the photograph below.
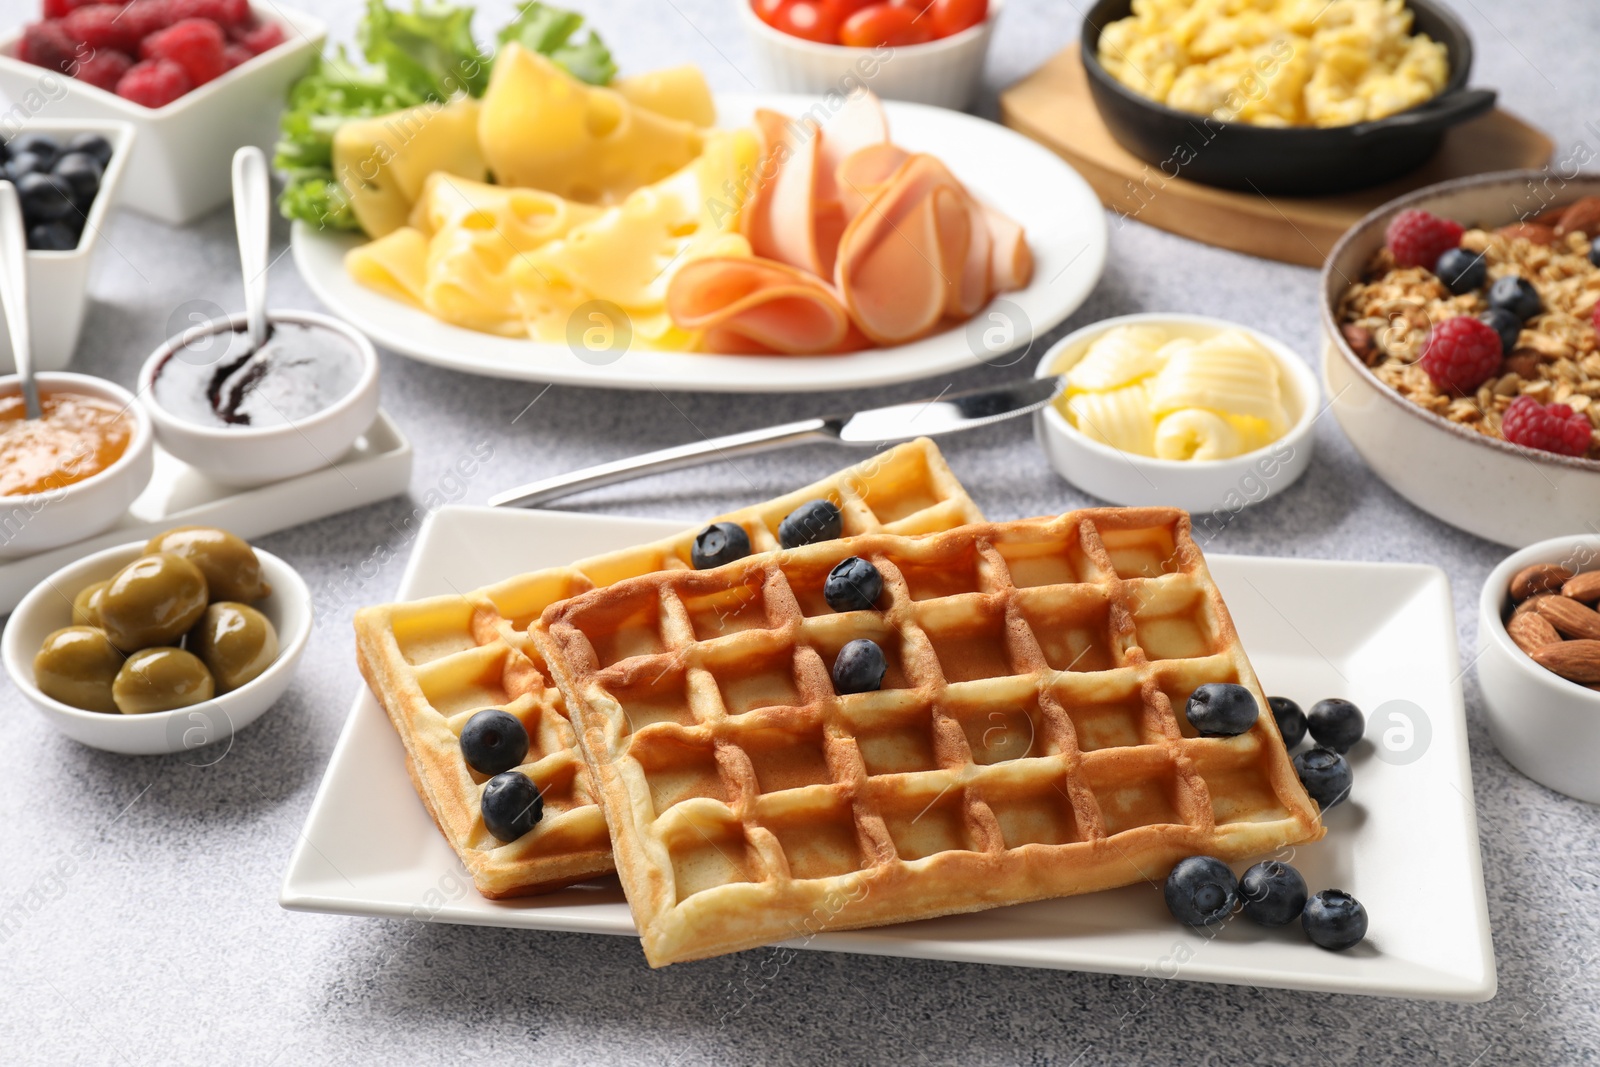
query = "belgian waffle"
x=432 y=663
x=1028 y=740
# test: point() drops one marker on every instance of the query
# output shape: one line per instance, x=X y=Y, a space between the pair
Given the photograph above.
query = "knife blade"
x=944 y=414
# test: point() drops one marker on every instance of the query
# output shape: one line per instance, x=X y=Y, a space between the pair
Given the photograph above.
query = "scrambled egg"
x=1276 y=62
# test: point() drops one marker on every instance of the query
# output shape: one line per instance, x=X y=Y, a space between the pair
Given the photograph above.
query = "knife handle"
x=668 y=459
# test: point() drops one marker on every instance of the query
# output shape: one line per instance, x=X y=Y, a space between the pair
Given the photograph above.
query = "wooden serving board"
x=1053 y=106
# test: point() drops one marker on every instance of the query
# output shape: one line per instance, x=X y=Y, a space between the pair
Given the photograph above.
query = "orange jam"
x=78 y=437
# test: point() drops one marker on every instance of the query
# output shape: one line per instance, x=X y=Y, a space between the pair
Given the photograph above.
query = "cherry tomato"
x=953 y=16
x=809 y=19
x=843 y=9
x=768 y=10
x=884 y=25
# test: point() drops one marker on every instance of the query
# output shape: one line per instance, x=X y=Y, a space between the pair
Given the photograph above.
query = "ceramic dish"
x=180 y=164
x=376 y=467
x=58 y=282
x=255 y=455
x=36 y=521
x=945 y=73
x=1294 y=161
x=1546 y=726
x=1486 y=486
x=1310 y=627
x=49 y=607
x=1066 y=229
x=1212 y=489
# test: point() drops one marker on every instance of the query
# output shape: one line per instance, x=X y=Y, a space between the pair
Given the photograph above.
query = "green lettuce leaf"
x=552 y=32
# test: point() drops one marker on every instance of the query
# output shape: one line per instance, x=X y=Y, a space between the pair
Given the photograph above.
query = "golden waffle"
x=432 y=663
x=1029 y=739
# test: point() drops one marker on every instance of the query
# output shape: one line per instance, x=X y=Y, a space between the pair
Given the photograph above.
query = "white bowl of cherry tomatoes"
x=925 y=51
x=197 y=79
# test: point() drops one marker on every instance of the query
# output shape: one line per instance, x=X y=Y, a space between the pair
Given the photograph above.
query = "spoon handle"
x=14 y=293
x=252 y=205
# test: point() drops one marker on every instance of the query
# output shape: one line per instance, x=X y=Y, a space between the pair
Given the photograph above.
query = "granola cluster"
x=1386 y=317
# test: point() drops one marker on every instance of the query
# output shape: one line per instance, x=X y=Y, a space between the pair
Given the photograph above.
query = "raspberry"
x=1556 y=428
x=145 y=17
x=224 y=13
x=101 y=26
x=56 y=9
x=1417 y=238
x=154 y=83
x=103 y=69
x=1461 y=354
x=49 y=45
x=265 y=36
x=193 y=44
x=236 y=54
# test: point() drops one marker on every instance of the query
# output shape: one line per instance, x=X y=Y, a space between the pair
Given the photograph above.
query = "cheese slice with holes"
x=384 y=162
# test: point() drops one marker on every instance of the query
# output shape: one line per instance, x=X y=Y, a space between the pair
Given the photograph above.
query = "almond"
x=1576 y=661
x=1531 y=231
x=1538 y=578
x=1584 y=587
x=1532 y=631
x=1582 y=217
x=1571 y=617
x=1531 y=604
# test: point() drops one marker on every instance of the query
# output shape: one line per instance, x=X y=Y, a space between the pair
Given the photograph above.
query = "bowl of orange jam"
x=73 y=472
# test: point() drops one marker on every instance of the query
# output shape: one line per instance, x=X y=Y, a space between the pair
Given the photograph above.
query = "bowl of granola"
x=1462 y=354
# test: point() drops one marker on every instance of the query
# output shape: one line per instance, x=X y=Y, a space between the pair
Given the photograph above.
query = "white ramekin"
x=49 y=607
x=183 y=153
x=945 y=73
x=40 y=521
x=247 y=456
x=1546 y=726
x=1213 y=490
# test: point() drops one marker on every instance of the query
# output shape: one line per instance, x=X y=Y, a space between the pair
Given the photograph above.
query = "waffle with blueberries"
x=480 y=720
x=884 y=728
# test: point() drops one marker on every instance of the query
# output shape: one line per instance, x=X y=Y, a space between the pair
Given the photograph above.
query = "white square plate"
x=1406 y=844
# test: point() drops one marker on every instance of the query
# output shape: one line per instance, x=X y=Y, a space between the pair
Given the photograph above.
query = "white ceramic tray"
x=1066 y=229
x=1406 y=844
x=377 y=467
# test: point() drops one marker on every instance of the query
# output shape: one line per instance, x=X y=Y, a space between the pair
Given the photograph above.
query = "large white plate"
x=1065 y=224
x=1406 y=844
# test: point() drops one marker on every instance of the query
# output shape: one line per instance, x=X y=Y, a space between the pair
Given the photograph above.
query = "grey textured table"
x=138 y=897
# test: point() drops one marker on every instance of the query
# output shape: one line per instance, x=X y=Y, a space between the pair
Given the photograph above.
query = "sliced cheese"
x=395 y=265
x=676 y=92
x=384 y=162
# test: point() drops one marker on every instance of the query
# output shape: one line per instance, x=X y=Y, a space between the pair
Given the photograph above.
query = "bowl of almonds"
x=1539 y=662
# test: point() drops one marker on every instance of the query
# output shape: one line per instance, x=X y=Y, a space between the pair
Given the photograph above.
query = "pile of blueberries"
x=56 y=184
x=1202 y=890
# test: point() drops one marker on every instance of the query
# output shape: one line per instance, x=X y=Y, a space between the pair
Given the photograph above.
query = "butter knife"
x=943 y=414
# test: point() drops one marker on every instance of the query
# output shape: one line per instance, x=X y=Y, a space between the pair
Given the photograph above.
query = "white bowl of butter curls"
x=1178 y=410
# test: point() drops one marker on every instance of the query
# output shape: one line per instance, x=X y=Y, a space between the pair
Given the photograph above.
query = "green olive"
x=152 y=601
x=235 y=641
x=76 y=665
x=232 y=570
x=160 y=679
x=86 y=605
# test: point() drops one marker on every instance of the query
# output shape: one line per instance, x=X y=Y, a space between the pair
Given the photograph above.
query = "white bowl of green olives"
x=160 y=646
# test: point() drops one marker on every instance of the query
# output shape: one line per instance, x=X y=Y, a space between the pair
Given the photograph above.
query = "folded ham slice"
x=759 y=306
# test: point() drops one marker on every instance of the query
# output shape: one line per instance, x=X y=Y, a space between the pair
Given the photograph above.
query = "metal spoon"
x=14 y=294
x=252 y=203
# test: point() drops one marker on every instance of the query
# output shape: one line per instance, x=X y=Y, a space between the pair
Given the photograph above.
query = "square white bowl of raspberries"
x=198 y=79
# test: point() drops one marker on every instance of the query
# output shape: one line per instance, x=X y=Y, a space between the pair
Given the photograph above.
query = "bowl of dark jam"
x=247 y=415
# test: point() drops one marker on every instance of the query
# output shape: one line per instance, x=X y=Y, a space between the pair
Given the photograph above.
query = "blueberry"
x=37 y=144
x=1594 y=251
x=1201 y=890
x=1326 y=776
x=1274 y=894
x=813 y=521
x=859 y=668
x=52 y=237
x=493 y=741
x=23 y=163
x=82 y=174
x=719 y=543
x=853 y=585
x=512 y=805
x=1222 y=709
x=44 y=197
x=91 y=144
x=1336 y=724
x=1461 y=271
x=1334 y=920
x=1507 y=325
x=1291 y=720
x=1516 y=295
